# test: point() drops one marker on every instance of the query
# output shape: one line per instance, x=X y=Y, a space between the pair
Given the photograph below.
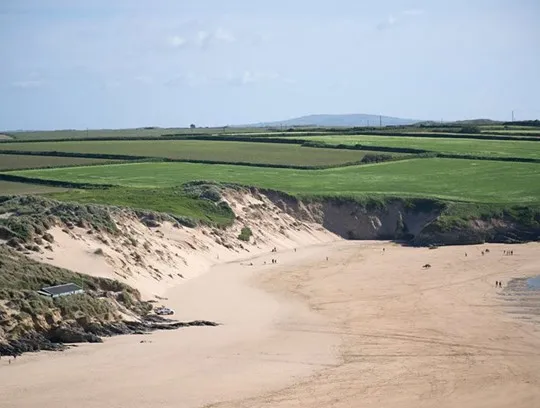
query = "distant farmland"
x=231 y=152
x=119 y=133
x=18 y=162
x=451 y=179
x=490 y=148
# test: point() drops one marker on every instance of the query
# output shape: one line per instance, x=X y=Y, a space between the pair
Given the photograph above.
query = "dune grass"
x=175 y=201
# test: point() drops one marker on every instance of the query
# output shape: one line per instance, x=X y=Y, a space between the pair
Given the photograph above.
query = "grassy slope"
x=493 y=148
x=452 y=179
x=13 y=188
x=20 y=277
x=17 y=161
x=174 y=201
x=244 y=152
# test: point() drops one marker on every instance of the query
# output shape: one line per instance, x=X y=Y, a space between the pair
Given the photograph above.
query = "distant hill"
x=339 y=120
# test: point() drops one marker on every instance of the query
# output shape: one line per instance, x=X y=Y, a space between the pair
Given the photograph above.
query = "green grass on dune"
x=449 y=179
x=175 y=201
x=241 y=152
x=475 y=147
x=21 y=161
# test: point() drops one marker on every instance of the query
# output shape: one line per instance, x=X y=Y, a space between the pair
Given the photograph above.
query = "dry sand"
x=363 y=328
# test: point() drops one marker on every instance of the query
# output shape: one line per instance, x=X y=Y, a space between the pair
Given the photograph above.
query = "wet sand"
x=363 y=328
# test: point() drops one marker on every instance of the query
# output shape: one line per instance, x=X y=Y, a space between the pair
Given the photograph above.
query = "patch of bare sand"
x=366 y=327
x=414 y=337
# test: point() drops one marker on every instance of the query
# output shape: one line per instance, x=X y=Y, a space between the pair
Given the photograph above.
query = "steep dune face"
x=352 y=220
x=153 y=257
x=415 y=221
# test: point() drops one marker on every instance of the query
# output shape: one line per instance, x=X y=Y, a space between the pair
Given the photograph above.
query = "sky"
x=114 y=64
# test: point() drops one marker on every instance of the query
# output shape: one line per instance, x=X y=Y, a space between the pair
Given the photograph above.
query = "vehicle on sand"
x=164 y=311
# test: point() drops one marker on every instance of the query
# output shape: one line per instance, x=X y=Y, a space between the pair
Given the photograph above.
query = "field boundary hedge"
x=54 y=183
x=422 y=153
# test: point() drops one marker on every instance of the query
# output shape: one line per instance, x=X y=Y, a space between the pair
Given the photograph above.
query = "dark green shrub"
x=245 y=234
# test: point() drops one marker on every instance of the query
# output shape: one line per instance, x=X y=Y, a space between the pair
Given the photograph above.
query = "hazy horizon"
x=128 y=64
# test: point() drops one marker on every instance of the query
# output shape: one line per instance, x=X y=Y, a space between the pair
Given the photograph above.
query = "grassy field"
x=18 y=161
x=491 y=148
x=452 y=179
x=13 y=188
x=242 y=152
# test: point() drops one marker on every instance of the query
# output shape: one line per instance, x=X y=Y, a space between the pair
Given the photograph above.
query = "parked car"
x=164 y=311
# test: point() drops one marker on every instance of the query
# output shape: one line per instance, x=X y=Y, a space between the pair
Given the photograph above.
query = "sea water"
x=534 y=283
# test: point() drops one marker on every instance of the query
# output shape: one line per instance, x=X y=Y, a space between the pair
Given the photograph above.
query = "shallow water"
x=534 y=283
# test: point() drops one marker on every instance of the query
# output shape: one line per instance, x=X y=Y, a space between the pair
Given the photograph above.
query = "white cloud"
x=203 y=39
x=224 y=35
x=247 y=78
x=177 y=41
x=27 y=84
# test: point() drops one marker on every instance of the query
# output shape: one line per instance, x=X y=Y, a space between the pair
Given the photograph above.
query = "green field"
x=241 y=152
x=490 y=148
x=20 y=161
x=14 y=188
x=451 y=179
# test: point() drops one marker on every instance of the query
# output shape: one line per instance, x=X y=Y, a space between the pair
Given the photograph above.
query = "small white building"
x=61 y=290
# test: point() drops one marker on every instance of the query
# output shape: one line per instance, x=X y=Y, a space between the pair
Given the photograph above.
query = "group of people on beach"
x=498 y=284
x=508 y=252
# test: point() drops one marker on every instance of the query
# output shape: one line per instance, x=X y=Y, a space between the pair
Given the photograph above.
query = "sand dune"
x=365 y=328
x=155 y=259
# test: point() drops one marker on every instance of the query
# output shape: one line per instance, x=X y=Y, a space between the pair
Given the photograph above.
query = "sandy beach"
x=365 y=327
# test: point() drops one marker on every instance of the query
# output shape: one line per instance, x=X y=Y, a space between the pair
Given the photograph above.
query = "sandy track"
x=365 y=328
